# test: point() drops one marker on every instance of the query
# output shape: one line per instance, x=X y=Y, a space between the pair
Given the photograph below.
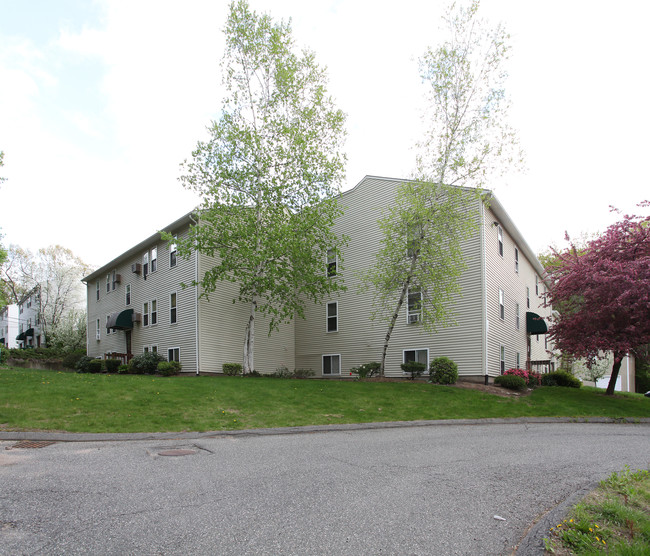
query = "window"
x=331 y=364
x=527 y=297
x=108 y=330
x=97 y=330
x=518 y=360
x=172 y=308
x=414 y=240
x=536 y=285
x=154 y=312
x=419 y=355
x=414 y=306
x=174 y=354
x=108 y=283
x=517 y=316
x=172 y=253
x=145 y=349
x=154 y=349
x=127 y=295
x=333 y=316
x=145 y=265
x=502 y=305
x=154 y=259
x=331 y=262
x=145 y=314
x=516 y=260
x=500 y=240
x=114 y=280
x=502 y=363
x=97 y=290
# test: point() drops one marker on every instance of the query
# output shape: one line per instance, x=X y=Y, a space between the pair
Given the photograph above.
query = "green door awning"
x=24 y=335
x=2 y=341
x=121 y=320
x=535 y=324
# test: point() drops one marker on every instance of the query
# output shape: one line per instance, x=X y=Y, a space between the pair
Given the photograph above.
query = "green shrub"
x=512 y=382
x=169 y=368
x=112 y=365
x=561 y=378
x=232 y=369
x=367 y=370
x=281 y=372
x=443 y=370
x=414 y=368
x=122 y=369
x=4 y=354
x=303 y=373
x=83 y=364
x=145 y=363
x=95 y=366
x=70 y=360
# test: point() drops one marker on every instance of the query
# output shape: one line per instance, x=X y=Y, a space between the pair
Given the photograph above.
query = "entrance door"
x=127 y=333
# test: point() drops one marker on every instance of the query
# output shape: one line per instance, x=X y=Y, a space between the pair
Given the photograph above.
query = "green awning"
x=20 y=337
x=535 y=324
x=24 y=335
x=121 y=320
x=2 y=341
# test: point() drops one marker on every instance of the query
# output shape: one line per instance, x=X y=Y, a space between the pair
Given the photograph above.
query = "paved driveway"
x=420 y=490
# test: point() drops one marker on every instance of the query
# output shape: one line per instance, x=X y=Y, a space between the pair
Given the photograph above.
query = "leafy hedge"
x=367 y=370
x=145 y=363
x=414 y=368
x=561 y=378
x=512 y=382
x=443 y=370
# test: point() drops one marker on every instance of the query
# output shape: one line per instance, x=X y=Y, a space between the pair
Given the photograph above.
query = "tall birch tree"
x=268 y=176
x=467 y=143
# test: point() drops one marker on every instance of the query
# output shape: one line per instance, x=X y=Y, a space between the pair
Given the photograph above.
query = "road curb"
x=310 y=429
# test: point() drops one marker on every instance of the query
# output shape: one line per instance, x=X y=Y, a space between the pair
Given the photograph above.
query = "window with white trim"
x=97 y=290
x=414 y=306
x=333 y=316
x=172 y=308
x=518 y=360
x=98 y=335
x=331 y=364
x=517 y=316
x=414 y=240
x=527 y=297
x=174 y=354
x=419 y=355
x=127 y=294
x=500 y=240
x=108 y=330
x=332 y=261
x=108 y=283
x=536 y=285
x=154 y=348
x=145 y=313
x=173 y=251
x=145 y=264
x=154 y=259
x=516 y=260
x=114 y=280
x=154 y=312
x=502 y=304
x=502 y=362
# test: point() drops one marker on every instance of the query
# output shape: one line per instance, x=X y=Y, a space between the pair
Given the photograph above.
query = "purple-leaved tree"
x=602 y=293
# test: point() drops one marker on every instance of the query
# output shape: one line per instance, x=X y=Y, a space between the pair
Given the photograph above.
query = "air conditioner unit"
x=136 y=317
x=414 y=318
x=97 y=336
x=136 y=268
x=118 y=278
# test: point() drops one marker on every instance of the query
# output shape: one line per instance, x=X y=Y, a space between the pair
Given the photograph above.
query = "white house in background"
x=136 y=304
x=30 y=331
x=9 y=326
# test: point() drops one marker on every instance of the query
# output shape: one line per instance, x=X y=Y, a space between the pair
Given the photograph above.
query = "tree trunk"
x=391 y=326
x=618 y=359
x=249 y=341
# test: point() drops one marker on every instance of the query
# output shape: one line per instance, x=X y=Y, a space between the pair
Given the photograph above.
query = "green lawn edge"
x=104 y=403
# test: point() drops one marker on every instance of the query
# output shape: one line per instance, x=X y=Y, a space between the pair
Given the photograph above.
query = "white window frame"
x=173 y=308
x=332 y=266
x=172 y=350
x=98 y=335
x=500 y=240
x=330 y=355
x=108 y=317
x=517 y=320
x=527 y=297
x=145 y=313
x=335 y=316
x=413 y=316
x=108 y=283
x=113 y=278
x=415 y=351
x=502 y=304
x=154 y=259
x=502 y=359
x=127 y=295
x=536 y=285
x=153 y=304
x=97 y=290
x=518 y=360
x=154 y=348
x=173 y=253
x=516 y=260
x=145 y=265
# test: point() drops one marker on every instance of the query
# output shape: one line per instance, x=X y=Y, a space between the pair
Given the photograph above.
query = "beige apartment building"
x=136 y=304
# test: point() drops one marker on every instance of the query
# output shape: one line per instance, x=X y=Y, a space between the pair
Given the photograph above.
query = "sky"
x=100 y=102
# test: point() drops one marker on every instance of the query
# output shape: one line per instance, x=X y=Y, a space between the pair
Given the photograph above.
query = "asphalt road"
x=416 y=490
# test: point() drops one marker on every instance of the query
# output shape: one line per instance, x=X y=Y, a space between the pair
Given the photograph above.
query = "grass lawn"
x=50 y=400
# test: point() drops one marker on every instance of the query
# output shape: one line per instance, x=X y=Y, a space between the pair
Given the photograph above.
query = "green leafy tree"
x=468 y=142
x=268 y=176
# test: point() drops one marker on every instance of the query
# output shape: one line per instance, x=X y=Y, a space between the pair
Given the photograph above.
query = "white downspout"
x=196 y=303
x=485 y=322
